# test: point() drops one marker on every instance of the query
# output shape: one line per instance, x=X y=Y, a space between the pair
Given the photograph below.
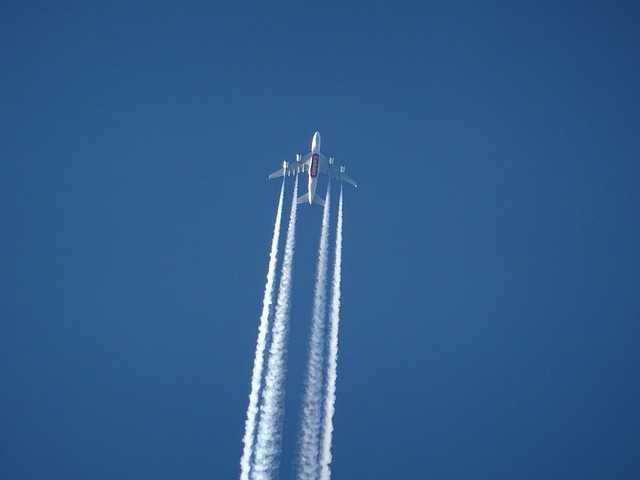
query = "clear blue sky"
x=491 y=270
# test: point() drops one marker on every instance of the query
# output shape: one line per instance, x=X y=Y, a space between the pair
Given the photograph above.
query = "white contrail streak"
x=312 y=402
x=332 y=354
x=271 y=409
x=256 y=376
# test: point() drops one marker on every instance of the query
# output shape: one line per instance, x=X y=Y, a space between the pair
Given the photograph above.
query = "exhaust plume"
x=271 y=409
x=332 y=354
x=256 y=376
x=312 y=402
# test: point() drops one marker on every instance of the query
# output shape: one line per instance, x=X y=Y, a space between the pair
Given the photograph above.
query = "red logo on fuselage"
x=314 y=165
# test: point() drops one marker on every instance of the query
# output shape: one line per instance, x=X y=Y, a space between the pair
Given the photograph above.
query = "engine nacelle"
x=298 y=157
x=342 y=168
x=331 y=160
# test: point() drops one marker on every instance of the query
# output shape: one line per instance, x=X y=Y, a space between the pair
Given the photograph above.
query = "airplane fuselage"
x=313 y=168
x=313 y=176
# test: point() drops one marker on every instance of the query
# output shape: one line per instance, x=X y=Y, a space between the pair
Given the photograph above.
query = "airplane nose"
x=315 y=143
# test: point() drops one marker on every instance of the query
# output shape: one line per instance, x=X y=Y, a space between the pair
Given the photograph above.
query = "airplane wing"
x=335 y=171
x=304 y=164
x=346 y=178
x=293 y=168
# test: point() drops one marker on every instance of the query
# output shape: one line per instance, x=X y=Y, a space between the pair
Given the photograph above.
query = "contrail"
x=312 y=403
x=332 y=360
x=271 y=409
x=256 y=376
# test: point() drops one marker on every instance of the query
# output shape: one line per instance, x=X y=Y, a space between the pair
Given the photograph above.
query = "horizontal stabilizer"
x=305 y=199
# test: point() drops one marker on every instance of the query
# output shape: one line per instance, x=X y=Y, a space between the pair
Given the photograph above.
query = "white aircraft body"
x=312 y=163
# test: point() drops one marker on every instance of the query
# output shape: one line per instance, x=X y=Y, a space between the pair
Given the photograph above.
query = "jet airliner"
x=312 y=163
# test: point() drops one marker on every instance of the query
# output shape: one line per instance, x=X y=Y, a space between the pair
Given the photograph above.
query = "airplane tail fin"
x=303 y=199
x=319 y=200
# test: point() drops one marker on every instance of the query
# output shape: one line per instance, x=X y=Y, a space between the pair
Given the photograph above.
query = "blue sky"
x=491 y=285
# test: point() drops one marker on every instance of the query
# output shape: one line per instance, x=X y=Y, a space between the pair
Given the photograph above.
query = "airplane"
x=313 y=162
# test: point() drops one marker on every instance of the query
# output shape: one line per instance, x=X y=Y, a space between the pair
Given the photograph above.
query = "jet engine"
x=342 y=168
x=331 y=160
